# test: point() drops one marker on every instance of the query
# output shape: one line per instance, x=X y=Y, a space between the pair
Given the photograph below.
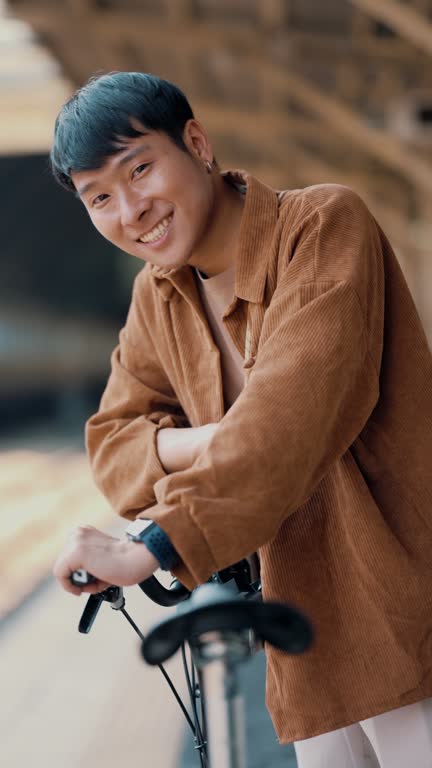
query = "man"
x=271 y=392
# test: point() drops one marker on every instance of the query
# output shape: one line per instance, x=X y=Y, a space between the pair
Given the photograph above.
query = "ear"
x=197 y=141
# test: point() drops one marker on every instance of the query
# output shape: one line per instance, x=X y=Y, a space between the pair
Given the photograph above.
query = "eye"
x=99 y=199
x=140 y=168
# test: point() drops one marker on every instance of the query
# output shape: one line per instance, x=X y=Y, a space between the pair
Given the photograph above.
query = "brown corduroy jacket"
x=324 y=462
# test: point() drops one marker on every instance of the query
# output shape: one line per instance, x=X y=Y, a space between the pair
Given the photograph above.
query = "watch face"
x=137 y=527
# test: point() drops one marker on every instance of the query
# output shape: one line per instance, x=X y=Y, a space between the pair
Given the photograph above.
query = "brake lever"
x=89 y=614
x=113 y=595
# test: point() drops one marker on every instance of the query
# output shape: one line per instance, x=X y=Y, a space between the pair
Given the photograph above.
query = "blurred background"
x=296 y=91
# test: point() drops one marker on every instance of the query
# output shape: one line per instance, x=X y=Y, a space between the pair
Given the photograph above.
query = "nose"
x=133 y=206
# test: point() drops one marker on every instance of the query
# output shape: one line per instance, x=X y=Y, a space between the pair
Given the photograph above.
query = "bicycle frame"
x=222 y=629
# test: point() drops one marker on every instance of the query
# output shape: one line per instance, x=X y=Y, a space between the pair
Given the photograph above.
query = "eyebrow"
x=123 y=161
x=133 y=153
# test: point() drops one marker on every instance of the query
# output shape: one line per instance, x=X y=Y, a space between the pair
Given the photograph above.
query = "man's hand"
x=109 y=560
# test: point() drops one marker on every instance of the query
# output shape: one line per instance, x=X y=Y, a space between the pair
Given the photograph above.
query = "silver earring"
x=208 y=166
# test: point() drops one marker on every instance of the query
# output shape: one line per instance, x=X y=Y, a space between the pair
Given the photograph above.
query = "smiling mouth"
x=158 y=231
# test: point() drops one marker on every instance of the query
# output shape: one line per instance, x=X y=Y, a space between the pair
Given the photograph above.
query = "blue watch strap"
x=159 y=544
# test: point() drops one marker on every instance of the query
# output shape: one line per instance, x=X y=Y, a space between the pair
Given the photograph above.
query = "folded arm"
x=122 y=438
x=309 y=395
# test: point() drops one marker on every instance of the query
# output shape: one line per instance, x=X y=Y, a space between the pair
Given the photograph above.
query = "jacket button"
x=249 y=362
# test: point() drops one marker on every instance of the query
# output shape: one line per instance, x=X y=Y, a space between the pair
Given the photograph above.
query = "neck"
x=219 y=246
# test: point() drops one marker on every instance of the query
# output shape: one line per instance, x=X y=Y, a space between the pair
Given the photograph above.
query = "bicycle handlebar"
x=161 y=595
x=151 y=587
x=245 y=574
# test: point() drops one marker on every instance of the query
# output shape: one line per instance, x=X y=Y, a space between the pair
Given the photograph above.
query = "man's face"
x=152 y=199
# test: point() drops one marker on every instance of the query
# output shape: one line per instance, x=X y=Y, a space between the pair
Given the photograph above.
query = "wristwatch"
x=156 y=540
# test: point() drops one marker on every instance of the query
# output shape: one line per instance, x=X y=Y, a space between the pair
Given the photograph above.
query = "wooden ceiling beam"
x=343 y=120
x=256 y=125
x=408 y=22
x=294 y=158
x=265 y=129
x=178 y=10
x=74 y=36
x=197 y=37
x=123 y=24
x=346 y=121
x=117 y=30
x=271 y=13
x=367 y=46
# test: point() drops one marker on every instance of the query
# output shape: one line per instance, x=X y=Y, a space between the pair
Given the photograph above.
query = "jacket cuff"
x=156 y=464
x=197 y=560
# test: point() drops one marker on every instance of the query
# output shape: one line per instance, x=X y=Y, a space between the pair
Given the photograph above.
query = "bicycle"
x=224 y=622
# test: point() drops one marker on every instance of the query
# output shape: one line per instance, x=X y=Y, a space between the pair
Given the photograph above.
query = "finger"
x=62 y=571
x=70 y=587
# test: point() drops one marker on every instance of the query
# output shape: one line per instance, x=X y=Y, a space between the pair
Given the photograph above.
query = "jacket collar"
x=257 y=226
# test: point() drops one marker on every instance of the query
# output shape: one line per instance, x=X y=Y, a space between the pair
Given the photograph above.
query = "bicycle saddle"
x=212 y=607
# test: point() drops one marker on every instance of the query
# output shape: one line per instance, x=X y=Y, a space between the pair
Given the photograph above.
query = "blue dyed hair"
x=92 y=124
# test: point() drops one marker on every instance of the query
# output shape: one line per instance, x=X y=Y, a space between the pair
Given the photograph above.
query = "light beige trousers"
x=401 y=738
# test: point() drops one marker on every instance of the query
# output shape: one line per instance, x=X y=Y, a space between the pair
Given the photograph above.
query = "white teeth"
x=157 y=231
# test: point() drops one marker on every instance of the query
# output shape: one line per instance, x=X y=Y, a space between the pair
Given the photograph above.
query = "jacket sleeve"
x=309 y=394
x=138 y=401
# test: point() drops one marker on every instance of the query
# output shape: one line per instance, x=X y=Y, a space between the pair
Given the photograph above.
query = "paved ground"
x=83 y=701
x=43 y=495
x=70 y=700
